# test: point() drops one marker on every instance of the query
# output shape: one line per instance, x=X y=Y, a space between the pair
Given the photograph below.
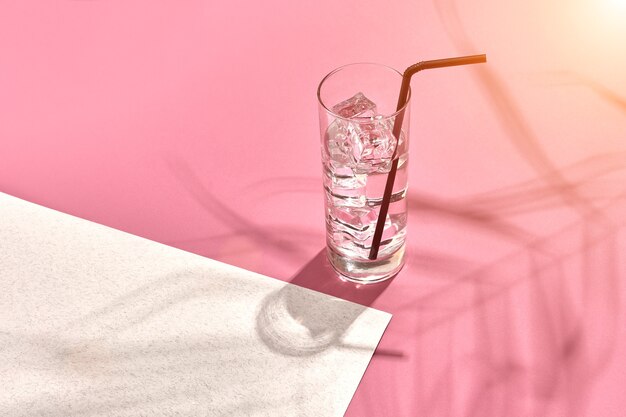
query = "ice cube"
x=359 y=223
x=343 y=177
x=372 y=144
x=357 y=105
x=337 y=144
x=345 y=196
x=356 y=226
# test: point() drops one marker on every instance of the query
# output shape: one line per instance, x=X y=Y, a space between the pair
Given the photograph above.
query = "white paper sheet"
x=98 y=322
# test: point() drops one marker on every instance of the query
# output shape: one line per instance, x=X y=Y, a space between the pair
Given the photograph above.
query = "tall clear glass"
x=357 y=111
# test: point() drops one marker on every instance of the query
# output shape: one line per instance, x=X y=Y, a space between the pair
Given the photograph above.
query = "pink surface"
x=195 y=124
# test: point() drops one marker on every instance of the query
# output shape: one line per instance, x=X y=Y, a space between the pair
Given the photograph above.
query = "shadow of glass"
x=297 y=326
x=319 y=275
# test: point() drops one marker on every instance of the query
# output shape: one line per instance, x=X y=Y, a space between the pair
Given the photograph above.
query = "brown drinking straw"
x=397 y=128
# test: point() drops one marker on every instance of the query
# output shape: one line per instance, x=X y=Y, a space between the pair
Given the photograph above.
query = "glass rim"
x=394 y=114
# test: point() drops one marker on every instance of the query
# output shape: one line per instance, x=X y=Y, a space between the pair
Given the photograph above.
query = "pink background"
x=194 y=123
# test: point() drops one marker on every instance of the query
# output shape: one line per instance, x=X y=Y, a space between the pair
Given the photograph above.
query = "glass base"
x=366 y=271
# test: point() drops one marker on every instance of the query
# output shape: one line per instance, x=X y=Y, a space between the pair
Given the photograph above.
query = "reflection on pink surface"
x=144 y=116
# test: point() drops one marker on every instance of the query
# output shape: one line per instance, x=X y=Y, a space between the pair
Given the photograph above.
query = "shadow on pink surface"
x=319 y=275
x=526 y=335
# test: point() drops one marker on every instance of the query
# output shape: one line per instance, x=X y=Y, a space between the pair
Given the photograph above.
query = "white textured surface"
x=97 y=322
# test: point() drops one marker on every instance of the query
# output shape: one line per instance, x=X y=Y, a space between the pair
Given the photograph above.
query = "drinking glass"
x=358 y=107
